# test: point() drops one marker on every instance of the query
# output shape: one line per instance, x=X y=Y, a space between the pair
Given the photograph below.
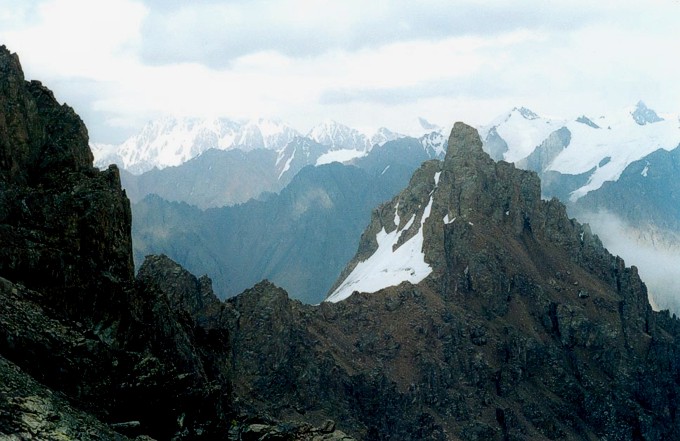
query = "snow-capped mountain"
x=298 y=153
x=338 y=136
x=601 y=148
x=265 y=134
x=172 y=141
x=383 y=135
x=434 y=144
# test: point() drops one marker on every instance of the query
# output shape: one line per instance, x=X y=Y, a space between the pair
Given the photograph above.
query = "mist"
x=654 y=251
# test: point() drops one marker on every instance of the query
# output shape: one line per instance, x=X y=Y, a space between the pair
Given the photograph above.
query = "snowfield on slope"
x=388 y=266
x=342 y=156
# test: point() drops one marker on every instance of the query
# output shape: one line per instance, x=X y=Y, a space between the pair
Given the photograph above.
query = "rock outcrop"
x=73 y=317
x=537 y=310
x=61 y=220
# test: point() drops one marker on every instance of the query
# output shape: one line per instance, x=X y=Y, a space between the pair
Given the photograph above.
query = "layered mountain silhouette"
x=519 y=324
x=299 y=239
x=578 y=160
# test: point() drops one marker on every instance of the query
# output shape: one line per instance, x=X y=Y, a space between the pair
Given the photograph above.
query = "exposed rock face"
x=550 y=335
x=61 y=220
x=73 y=317
x=184 y=291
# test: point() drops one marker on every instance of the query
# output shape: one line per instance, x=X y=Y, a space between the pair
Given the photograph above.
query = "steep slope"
x=213 y=179
x=598 y=168
x=48 y=186
x=72 y=315
x=638 y=218
x=646 y=192
x=524 y=327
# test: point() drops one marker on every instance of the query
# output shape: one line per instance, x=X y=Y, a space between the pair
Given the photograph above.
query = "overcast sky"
x=363 y=63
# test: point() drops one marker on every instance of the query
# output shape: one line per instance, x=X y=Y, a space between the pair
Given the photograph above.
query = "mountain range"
x=494 y=316
x=579 y=161
x=299 y=239
x=171 y=142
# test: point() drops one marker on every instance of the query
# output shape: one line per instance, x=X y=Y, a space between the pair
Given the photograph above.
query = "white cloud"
x=68 y=38
x=366 y=64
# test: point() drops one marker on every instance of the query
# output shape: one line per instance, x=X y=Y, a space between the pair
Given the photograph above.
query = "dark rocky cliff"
x=73 y=318
x=86 y=350
x=526 y=327
x=61 y=220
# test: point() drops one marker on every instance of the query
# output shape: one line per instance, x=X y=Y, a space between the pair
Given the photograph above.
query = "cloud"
x=215 y=33
x=378 y=63
x=83 y=38
x=655 y=252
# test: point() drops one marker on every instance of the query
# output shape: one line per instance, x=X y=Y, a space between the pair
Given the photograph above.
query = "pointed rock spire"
x=463 y=141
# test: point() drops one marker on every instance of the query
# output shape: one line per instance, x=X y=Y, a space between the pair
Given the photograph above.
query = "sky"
x=366 y=64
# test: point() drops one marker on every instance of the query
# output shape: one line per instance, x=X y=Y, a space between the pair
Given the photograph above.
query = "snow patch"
x=342 y=155
x=287 y=165
x=523 y=131
x=389 y=266
x=617 y=137
x=645 y=170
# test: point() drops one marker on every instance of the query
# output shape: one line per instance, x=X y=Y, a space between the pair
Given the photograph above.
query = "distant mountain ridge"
x=598 y=148
x=170 y=142
x=217 y=178
x=299 y=239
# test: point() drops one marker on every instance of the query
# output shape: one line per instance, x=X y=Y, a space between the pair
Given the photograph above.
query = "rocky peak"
x=526 y=113
x=72 y=316
x=644 y=115
x=464 y=142
x=510 y=264
x=184 y=291
x=65 y=225
x=469 y=210
x=40 y=137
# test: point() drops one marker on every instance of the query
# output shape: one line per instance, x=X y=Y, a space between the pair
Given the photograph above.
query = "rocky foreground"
x=526 y=328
